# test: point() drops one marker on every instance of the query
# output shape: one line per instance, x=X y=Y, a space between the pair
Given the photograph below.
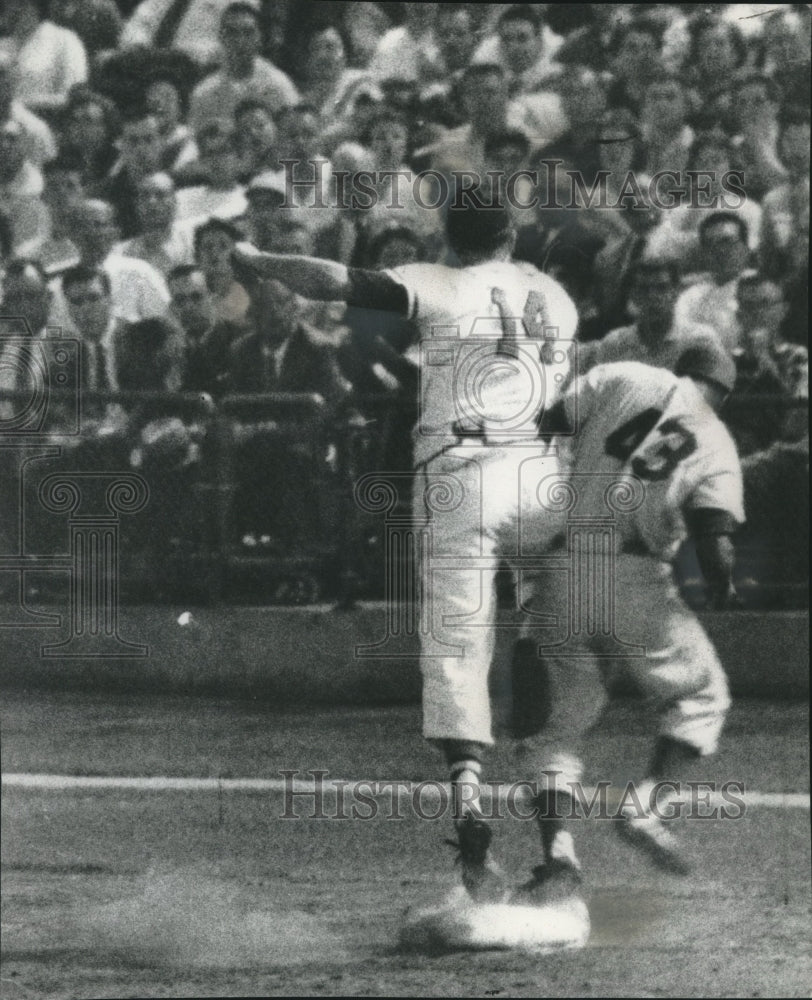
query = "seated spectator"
x=583 y=101
x=766 y=365
x=138 y=291
x=280 y=353
x=207 y=340
x=162 y=242
x=38 y=139
x=279 y=493
x=193 y=28
x=785 y=246
x=220 y=195
x=717 y=51
x=645 y=235
x=265 y=218
x=712 y=300
x=164 y=103
x=634 y=50
x=714 y=157
x=666 y=133
x=88 y=296
x=656 y=337
x=244 y=72
x=256 y=136
x=214 y=242
x=98 y=23
x=620 y=152
x=486 y=112
x=62 y=194
x=786 y=46
x=409 y=51
x=300 y=139
x=141 y=150
x=754 y=114
x=89 y=132
x=20 y=188
x=525 y=46
x=50 y=60
x=329 y=85
x=150 y=356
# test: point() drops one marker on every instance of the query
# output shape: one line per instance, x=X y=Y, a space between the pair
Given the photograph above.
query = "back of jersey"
x=493 y=349
x=645 y=426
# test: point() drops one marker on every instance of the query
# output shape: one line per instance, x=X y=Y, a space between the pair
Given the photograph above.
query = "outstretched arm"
x=325 y=280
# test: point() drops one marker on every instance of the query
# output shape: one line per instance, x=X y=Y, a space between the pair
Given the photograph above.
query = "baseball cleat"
x=651 y=836
x=481 y=875
x=553 y=882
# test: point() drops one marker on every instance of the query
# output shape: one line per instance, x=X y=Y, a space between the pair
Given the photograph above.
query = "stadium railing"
x=254 y=499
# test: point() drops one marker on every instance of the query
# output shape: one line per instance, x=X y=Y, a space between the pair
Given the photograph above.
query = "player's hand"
x=724 y=598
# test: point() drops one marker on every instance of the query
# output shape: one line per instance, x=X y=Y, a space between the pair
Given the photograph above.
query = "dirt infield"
x=151 y=894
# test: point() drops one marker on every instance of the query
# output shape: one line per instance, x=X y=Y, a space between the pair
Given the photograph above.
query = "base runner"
x=659 y=433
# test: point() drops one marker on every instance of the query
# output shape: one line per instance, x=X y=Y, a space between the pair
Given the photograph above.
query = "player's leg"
x=682 y=676
x=575 y=699
x=456 y=626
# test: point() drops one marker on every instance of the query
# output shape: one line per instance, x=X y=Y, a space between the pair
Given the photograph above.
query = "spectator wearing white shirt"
x=164 y=103
x=244 y=72
x=524 y=46
x=330 y=86
x=193 y=27
x=50 y=60
x=221 y=196
x=162 y=242
x=20 y=187
x=786 y=207
x=655 y=337
x=63 y=192
x=713 y=155
x=409 y=51
x=214 y=243
x=40 y=145
x=712 y=301
x=137 y=290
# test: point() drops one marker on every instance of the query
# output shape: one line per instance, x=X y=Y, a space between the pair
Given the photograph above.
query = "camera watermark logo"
x=495 y=382
x=40 y=379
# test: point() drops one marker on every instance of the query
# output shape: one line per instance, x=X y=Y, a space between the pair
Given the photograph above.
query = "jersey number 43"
x=657 y=460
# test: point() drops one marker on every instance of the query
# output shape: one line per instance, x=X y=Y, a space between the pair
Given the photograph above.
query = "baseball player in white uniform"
x=657 y=436
x=492 y=341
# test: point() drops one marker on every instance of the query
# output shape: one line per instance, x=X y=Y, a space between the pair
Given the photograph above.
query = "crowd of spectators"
x=140 y=140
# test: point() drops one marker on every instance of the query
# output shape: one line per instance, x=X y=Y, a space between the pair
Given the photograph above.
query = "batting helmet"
x=708 y=361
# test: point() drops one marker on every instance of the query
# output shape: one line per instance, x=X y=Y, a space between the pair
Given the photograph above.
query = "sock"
x=553 y=806
x=466 y=777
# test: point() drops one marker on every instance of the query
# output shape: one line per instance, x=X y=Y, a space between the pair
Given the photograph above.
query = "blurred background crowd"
x=140 y=140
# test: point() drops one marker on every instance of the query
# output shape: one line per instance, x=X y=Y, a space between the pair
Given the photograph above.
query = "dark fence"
x=254 y=500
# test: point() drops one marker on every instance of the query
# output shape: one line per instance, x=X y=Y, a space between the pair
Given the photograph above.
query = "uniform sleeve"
x=720 y=488
x=381 y=290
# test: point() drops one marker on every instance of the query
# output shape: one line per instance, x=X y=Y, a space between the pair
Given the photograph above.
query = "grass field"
x=120 y=892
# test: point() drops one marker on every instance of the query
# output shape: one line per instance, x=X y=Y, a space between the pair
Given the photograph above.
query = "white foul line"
x=371 y=788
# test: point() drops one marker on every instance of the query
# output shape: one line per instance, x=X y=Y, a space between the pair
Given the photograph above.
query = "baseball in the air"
x=185 y=619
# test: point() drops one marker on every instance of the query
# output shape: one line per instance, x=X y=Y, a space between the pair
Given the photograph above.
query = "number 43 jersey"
x=494 y=348
x=643 y=422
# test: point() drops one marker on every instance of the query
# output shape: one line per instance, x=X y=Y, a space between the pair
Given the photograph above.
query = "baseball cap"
x=269 y=182
x=708 y=361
